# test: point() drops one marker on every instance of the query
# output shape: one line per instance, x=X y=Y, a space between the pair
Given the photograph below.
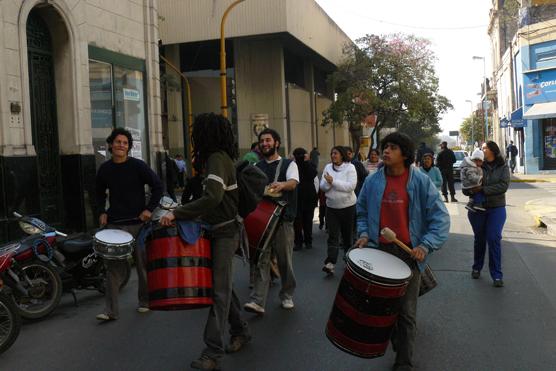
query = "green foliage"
x=391 y=75
x=477 y=124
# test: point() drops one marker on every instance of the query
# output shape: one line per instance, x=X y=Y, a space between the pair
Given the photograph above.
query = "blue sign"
x=504 y=123
x=539 y=87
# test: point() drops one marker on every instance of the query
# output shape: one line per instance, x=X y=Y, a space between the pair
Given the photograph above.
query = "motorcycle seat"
x=76 y=245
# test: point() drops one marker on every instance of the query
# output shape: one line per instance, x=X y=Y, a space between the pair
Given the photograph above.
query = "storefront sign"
x=504 y=123
x=132 y=94
x=540 y=86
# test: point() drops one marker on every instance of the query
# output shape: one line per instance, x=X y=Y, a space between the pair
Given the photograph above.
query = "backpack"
x=251 y=183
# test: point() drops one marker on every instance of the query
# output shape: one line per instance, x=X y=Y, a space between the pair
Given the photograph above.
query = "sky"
x=457 y=30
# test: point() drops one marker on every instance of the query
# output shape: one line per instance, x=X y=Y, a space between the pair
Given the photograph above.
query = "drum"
x=179 y=275
x=367 y=302
x=113 y=244
x=261 y=225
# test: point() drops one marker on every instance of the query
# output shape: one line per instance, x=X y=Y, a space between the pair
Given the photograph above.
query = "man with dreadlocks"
x=214 y=149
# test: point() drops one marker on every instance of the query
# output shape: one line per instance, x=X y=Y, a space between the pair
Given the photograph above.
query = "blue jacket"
x=429 y=221
x=434 y=174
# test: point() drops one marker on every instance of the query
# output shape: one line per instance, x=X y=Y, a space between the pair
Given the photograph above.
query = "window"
x=117 y=89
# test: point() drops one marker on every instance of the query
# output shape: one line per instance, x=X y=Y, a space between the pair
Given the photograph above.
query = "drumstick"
x=390 y=235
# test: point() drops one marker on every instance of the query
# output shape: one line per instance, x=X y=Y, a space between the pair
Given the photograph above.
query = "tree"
x=472 y=128
x=392 y=76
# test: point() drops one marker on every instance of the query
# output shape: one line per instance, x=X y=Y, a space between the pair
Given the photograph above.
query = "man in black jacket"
x=445 y=162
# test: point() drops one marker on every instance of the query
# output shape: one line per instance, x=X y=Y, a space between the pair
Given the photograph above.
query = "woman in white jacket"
x=338 y=183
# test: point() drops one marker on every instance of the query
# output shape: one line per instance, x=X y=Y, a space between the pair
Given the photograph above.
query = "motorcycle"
x=31 y=273
x=10 y=321
x=74 y=258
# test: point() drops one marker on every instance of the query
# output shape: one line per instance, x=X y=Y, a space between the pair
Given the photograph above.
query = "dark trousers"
x=322 y=212
x=303 y=227
x=339 y=222
x=513 y=163
x=487 y=228
x=181 y=182
x=226 y=307
x=405 y=329
x=448 y=181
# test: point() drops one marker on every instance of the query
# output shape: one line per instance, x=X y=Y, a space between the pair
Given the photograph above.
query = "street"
x=463 y=324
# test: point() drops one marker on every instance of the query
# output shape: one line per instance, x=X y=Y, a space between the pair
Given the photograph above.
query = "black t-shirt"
x=125 y=183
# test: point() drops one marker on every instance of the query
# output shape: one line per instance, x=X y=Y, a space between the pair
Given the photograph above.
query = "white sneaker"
x=143 y=309
x=328 y=268
x=253 y=308
x=287 y=304
x=104 y=317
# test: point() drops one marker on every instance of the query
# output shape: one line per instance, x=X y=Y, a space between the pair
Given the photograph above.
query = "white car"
x=457 y=166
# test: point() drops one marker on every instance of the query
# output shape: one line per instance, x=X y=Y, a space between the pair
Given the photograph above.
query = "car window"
x=459 y=155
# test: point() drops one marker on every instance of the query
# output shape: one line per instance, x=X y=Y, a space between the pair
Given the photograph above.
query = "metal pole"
x=223 y=93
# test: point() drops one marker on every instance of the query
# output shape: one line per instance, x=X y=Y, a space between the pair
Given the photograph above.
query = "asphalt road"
x=463 y=324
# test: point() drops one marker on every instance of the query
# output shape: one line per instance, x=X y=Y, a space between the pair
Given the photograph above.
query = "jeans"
x=448 y=182
x=339 y=221
x=303 y=226
x=405 y=329
x=226 y=307
x=115 y=274
x=487 y=228
x=282 y=245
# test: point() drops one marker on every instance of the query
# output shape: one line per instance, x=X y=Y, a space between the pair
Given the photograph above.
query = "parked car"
x=457 y=166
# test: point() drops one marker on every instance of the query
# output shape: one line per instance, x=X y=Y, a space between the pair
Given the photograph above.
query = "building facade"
x=279 y=54
x=525 y=75
x=71 y=71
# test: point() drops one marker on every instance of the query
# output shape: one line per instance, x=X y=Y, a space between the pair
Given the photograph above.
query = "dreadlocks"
x=212 y=133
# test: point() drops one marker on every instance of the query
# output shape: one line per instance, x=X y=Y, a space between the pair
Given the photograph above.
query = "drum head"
x=379 y=263
x=114 y=237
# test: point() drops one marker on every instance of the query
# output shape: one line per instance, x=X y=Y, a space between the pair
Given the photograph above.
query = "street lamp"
x=223 y=93
x=472 y=125
x=484 y=99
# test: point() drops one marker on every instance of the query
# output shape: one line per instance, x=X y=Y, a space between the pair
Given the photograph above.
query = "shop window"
x=117 y=89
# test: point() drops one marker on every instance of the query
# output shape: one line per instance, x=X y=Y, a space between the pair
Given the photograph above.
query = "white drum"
x=113 y=244
x=373 y=265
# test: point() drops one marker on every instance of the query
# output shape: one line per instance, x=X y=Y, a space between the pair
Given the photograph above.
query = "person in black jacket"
x=306 y=200
x=487 y=225
x=445 y=162
x=125 y=177
x=359 y=168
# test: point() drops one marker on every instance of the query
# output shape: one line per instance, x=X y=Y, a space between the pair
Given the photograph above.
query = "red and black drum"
x=179 y=275
x=261 y=225
x=367 y=302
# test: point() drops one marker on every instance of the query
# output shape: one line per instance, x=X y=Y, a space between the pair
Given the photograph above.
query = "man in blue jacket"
x=400 y=197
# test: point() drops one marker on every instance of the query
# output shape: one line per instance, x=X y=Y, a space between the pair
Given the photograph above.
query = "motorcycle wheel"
x=45 y=290
x=127 y=275
x=10 y=322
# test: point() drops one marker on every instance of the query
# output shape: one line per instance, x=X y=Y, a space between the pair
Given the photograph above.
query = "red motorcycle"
x=31 y=273
x=10 y=321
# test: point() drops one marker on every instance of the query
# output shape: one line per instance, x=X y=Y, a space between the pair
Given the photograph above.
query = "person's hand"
x=419 y=253
x=328 y=178
x=168 y=219
x=145 y=216
x=362 y=242
x=277 y=187
x=476 y=189
x=103 y=219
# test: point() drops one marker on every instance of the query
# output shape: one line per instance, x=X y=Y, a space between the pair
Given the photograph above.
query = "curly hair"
x=404 y=142
x=212 y=133
x=115 y=133
x=273 y=133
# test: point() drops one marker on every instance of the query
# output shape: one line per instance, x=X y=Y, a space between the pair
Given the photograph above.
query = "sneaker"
x=446 y=199
x=328 y=268
x=205 y=363
x=142 y=309
x=287 y=304
x=253 y=307
x=105 y=317
x=470 y=208
x=498 y=283
x=453 y=199
x=237 y=342
x=475 y=274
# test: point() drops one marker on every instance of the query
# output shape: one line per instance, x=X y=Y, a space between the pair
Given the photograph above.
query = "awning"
x=541 y=111
x=517 y=115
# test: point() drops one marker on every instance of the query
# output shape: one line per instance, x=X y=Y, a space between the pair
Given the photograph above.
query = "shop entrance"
x=549 y=143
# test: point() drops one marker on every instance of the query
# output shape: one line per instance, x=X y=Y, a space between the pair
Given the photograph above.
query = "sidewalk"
x=542 y=209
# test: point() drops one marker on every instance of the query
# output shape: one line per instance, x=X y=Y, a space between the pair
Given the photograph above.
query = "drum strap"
x=277 y=172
